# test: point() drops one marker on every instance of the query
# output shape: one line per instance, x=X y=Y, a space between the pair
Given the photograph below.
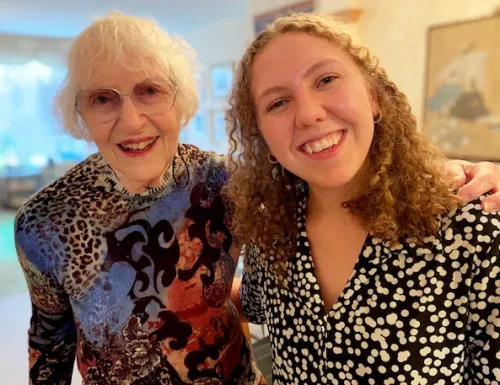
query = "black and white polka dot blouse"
x=409 y=315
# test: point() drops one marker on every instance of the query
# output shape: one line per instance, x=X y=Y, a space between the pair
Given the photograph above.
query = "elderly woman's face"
x=314 y=108
x=137 y=136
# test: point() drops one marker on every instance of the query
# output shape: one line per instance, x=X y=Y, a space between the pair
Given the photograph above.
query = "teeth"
x=138 y=146
x=336 y=138
x=323 y=143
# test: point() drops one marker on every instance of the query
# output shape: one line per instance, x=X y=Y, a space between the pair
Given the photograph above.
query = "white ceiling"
x=66 y=18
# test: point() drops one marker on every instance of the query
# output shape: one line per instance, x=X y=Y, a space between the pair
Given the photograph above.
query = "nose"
x=131 y=118
x=309 y=109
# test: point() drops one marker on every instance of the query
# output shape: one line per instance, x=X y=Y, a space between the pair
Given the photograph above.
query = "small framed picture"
x=219 y=135
x=221 y=80
x=201 y=85
x=197 y=131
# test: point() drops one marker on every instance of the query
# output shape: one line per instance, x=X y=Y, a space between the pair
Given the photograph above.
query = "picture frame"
x=197 y=131
x=461 y=111
x=261 y=21
x=219 y=134
x=221 y=80
x=201 y=85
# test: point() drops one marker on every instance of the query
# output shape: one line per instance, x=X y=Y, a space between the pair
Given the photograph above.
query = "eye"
x=327 y=80
x=150 y=90
x=275 y=105
x=100 y=99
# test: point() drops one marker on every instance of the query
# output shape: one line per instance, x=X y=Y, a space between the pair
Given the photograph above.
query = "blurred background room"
x=443 y=54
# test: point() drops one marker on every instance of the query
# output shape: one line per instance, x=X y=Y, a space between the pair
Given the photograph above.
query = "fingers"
x=492 y=202
x=480 y=184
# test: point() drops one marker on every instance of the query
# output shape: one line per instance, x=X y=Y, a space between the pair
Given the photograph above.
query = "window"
x=30 y=137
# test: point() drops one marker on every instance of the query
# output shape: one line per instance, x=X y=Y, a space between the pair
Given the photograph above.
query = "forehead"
x=292 y=53
x=119 y=75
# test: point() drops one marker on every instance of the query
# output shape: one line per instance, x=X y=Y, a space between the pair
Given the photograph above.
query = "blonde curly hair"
x=406 y=191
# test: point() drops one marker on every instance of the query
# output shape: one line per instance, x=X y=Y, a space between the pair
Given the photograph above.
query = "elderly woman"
x=365 y=266
x=127 y=255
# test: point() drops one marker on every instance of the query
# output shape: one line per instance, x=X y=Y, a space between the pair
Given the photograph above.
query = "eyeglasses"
x=154 y=96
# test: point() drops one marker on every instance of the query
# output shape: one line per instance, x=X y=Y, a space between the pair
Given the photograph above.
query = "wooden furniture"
x=246 y=331
x=349 y=15
x=15 y=191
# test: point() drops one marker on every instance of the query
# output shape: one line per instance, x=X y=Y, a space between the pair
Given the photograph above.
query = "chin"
x=332 y=180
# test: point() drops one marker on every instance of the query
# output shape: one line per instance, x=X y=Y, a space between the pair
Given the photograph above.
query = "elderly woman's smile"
x=137 y=147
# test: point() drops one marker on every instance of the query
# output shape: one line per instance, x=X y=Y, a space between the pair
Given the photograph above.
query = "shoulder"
x=65 y=193
x=195 y=156
x=470 y=218
x=255 y=260
x=209 y=167
x=472 y=227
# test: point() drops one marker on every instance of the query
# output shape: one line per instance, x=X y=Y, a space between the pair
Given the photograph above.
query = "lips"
x=324 y=143
x=139 y=145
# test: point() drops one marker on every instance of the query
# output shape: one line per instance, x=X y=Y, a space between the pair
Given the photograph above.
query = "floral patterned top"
x=413 y=314
x=135 y=286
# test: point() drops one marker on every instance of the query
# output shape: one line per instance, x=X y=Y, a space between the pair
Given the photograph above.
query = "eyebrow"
x=319 y=65
x=306 y=73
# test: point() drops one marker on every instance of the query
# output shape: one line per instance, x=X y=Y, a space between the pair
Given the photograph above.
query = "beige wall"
x=396 y=31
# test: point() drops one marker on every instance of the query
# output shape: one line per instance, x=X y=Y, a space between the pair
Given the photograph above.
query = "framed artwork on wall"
x=219 y=135
x=197 y=131
x=221 y=80
x=201 y=85
x=262 y=20
x=462 y=89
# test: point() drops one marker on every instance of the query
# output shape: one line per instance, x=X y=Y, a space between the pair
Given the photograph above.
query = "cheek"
x=277 y=136
x=352 y=104
x=168 y=125
x=344 y=107
x=101 y=134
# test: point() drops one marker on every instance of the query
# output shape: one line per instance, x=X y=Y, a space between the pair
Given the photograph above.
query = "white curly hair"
x=113 y=40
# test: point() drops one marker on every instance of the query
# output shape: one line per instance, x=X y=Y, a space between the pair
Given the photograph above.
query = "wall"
x=221 y=41
x=396 y=31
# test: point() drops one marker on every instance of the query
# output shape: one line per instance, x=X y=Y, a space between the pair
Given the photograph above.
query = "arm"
x=235 y=297
x=476 y=179
x=235 y=288
x=250 y=291
x=483 y=345
x=52 y=335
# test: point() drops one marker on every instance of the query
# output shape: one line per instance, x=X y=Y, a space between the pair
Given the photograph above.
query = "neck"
x=326 y=202
x=140 y=186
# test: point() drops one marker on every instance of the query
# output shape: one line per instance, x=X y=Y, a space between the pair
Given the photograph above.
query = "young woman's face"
x=314 y=108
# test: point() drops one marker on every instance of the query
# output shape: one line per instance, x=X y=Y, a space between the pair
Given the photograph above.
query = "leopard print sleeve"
x=52 y=333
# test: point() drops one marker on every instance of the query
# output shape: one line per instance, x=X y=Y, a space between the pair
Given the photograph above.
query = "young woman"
x=366 y=268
